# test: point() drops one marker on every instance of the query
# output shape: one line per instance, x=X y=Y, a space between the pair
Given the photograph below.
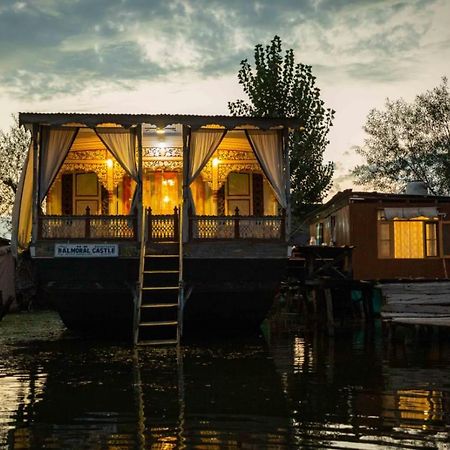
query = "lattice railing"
x=237 y=227
x=163 y=227
x=87 y=227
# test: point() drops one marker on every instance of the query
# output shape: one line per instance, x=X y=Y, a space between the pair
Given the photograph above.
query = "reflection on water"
x=291 y=391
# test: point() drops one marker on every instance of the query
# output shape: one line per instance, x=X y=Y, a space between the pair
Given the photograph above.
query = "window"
x=415 y=238
x=319 y=233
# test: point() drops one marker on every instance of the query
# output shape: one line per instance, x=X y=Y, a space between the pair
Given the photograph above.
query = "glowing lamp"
x=215 y=162
x=166 y=199
x=109 y=163
x=160 y=131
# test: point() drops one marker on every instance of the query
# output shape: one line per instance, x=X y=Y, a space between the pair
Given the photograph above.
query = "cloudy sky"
x=182 y=56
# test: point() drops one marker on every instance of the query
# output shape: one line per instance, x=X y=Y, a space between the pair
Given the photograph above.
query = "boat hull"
x=222 y=295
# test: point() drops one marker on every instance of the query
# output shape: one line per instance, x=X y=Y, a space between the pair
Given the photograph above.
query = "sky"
x=182 y=56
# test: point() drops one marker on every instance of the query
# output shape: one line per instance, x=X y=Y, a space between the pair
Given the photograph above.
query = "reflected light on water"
x=299 y=391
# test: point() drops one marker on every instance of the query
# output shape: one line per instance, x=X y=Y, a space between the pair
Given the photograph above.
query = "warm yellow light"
x=109 y=163
x=215 y=162
x=170 y=182
x=166 y=199
x=161 y=144
x=160 y=131
x=164 y=182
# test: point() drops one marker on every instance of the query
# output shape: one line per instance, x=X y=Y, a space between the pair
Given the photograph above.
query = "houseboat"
x=155 y=224
x=394 y=236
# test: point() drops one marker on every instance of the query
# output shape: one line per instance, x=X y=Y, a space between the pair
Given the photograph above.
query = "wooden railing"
x=237 y=227
x=87 y=227
x=163 y=227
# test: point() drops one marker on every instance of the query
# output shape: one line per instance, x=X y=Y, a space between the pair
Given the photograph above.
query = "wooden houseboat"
x=395 y=236
x=144 y=222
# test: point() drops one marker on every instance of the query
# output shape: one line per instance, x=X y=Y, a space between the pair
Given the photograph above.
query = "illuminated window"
x=415 y=238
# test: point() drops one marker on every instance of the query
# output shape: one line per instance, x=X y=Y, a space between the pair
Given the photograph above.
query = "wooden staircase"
x=158 y=315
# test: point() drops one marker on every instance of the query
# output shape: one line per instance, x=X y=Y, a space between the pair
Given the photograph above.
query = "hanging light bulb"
x=109 y=163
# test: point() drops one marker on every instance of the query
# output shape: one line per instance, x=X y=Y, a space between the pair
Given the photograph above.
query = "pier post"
x=330 y=315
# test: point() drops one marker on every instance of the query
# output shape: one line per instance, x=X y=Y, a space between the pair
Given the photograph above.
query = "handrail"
x=138 y=298
x=180 y=274
x=235 y=226
x=87 y=226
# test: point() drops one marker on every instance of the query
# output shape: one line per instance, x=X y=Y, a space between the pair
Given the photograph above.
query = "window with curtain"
x=407 y=239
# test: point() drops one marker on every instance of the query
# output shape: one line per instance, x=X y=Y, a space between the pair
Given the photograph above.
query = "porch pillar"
x=288 y=183
x=35 y=210
x=185 y=205
x=140 y=231
x=215 y=202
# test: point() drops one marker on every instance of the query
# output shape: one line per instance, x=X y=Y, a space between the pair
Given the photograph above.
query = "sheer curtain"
x=267 y=146
x=23 y=206
x=122 y=144
x=56 y=144
x=203 y=145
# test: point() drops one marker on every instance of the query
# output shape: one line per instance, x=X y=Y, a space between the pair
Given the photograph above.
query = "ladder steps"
x=159 y=288
x=159 y=324
x=160 y=271
x=158 y=342
x=160 y=305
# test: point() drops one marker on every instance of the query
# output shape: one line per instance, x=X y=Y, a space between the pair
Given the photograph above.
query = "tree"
x=278 y=87
x=13 y=149
x=408 y=142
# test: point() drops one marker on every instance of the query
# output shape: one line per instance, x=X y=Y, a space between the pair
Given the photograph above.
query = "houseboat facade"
x=395 y=236
x=145 y=222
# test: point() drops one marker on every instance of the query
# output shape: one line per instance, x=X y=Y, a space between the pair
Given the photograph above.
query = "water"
x=289 y=391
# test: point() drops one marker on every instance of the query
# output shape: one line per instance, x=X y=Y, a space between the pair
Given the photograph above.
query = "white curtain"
x=122 y=144
x=203 y=144
x=23 y=206
x=56 y=144
x=268 y=149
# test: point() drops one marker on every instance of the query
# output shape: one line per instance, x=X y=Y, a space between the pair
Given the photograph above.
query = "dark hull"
x=222 y=295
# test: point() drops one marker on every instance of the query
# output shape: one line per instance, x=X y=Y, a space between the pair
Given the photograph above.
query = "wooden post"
x=87 y=223
x=39 y=225
x=191 y=228
x=176 y=224
x=135 y=222
x=37 y=138
x=287 y=175
x=140 y=233
x=283 y=225
x=330 y=316
x=149 y=224
x=187 y=215
x=236 y=223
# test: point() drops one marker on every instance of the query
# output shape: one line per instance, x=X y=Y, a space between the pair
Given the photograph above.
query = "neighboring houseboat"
x=152 y=219
x=395 y=236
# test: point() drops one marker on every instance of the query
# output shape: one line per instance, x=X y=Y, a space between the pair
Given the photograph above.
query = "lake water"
x=290 y=390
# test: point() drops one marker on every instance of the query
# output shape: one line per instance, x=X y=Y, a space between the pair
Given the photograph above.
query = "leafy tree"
x=13 y=149
x=408 y=142
x=279 y=87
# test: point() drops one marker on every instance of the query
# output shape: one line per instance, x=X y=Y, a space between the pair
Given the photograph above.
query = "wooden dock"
x=424 y=304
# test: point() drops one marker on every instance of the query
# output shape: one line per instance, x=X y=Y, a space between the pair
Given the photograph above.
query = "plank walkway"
x=422 y=303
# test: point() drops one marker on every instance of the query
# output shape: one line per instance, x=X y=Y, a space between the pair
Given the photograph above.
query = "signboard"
x=86 y=250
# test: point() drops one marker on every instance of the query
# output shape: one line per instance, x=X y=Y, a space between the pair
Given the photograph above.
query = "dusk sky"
x=183 y=56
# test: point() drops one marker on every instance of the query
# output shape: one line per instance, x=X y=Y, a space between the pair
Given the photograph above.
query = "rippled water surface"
x=290 y=390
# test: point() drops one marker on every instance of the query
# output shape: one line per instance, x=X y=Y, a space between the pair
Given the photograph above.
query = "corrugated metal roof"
x=160 y=120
